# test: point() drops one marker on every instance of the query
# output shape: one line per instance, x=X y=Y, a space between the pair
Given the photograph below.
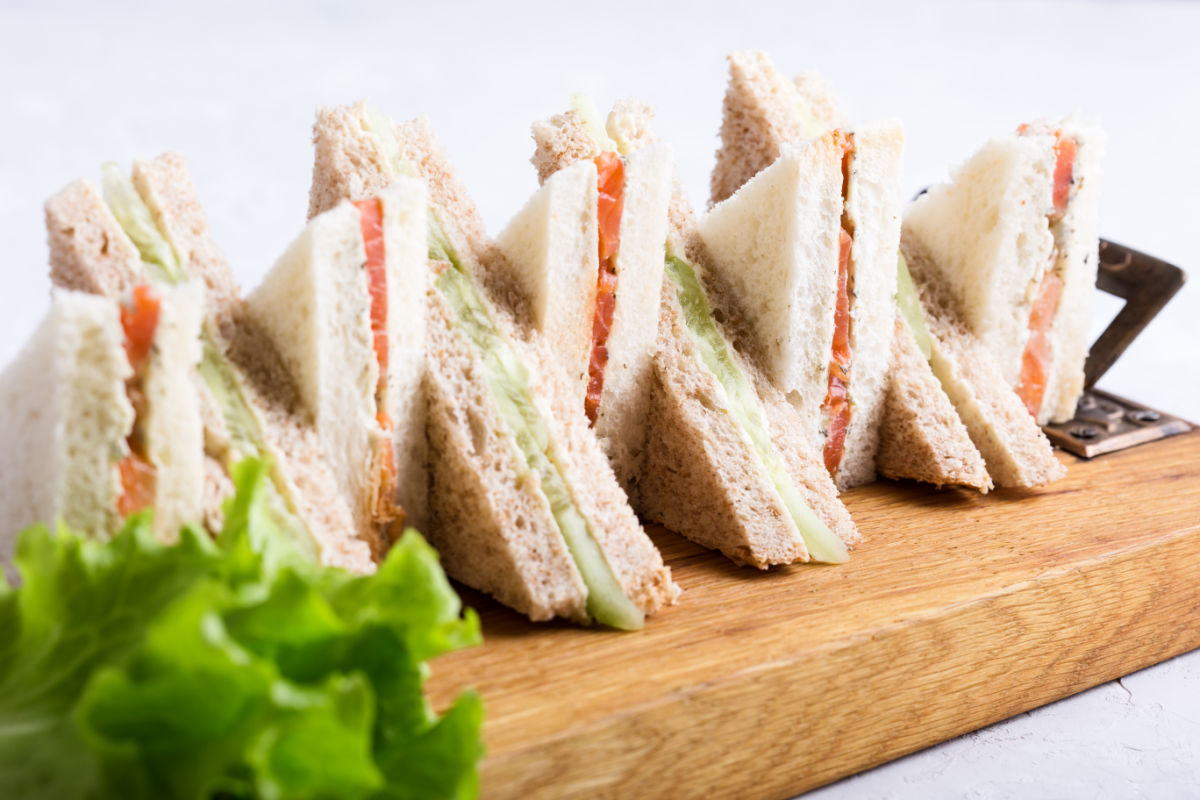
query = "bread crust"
x=762 y=110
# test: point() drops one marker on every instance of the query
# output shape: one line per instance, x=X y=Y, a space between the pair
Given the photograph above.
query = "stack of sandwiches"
x=149 y=228
x=930 y=401
x=609 y=356
x=523 y=503
x=677 y=407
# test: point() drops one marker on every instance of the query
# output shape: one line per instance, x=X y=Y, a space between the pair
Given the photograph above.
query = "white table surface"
x=234 y=88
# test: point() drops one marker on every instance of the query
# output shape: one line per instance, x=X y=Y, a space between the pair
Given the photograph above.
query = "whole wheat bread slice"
x=762 y=110
x=497 y=533
x=922 y=437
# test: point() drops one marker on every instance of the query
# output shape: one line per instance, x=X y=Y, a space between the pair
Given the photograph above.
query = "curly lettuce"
x=231 y=668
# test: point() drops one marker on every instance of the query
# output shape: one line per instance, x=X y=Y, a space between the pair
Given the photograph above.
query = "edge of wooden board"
x=956 y=612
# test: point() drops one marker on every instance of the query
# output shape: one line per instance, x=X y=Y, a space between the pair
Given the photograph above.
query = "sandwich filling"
x=536 y=455
x=910 y=307
x=1035 y=360
x=610 y=185
x=837 y=397
x=241 y=423
x=746 y=412
x=370 y=212
x=139 y=321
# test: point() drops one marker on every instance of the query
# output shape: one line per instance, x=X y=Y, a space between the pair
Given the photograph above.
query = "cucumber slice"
x=910 y=306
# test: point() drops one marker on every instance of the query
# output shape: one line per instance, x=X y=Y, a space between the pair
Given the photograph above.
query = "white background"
x=234 y=88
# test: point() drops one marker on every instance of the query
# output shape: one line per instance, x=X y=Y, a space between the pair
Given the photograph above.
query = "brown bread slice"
x=921 y=436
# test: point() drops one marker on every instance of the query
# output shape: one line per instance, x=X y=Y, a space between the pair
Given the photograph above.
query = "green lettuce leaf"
x=909 y=302
x=234 y=668
x=82 y=603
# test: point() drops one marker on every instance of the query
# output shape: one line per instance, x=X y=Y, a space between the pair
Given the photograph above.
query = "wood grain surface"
x=957 y=610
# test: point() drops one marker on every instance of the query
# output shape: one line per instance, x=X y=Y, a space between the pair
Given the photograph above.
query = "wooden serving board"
x=957 y=610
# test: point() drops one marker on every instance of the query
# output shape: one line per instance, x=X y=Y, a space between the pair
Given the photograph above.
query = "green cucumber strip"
x=910 y=306
x=135 y=218
x=822 y=543
x=508 y=381
x=247 y=441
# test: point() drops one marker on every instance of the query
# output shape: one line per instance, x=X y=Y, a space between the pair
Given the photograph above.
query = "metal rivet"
x=1143 y=415
x=1108 y=408
x=1087 y=403
x=1085 y=432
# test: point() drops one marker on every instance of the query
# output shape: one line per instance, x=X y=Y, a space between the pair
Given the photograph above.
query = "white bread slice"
x=1014 y=448
x=873 y=206
x=1081 y=252
x=921 y=436
x=639 y=261
x=563 y=143
x=67 y=417
x=90 y=251
x=315 y=305
x=988 y=239
x=766 y=117
x=171 y=424
x=763 y=110
x=406 y=244
x=775 y=244
x=549 y=249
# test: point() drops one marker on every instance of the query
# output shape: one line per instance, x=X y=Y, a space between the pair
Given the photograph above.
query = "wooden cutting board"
x=957 y=610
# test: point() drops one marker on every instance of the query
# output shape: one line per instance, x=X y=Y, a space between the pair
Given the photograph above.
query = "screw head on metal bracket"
x=1096 y=430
